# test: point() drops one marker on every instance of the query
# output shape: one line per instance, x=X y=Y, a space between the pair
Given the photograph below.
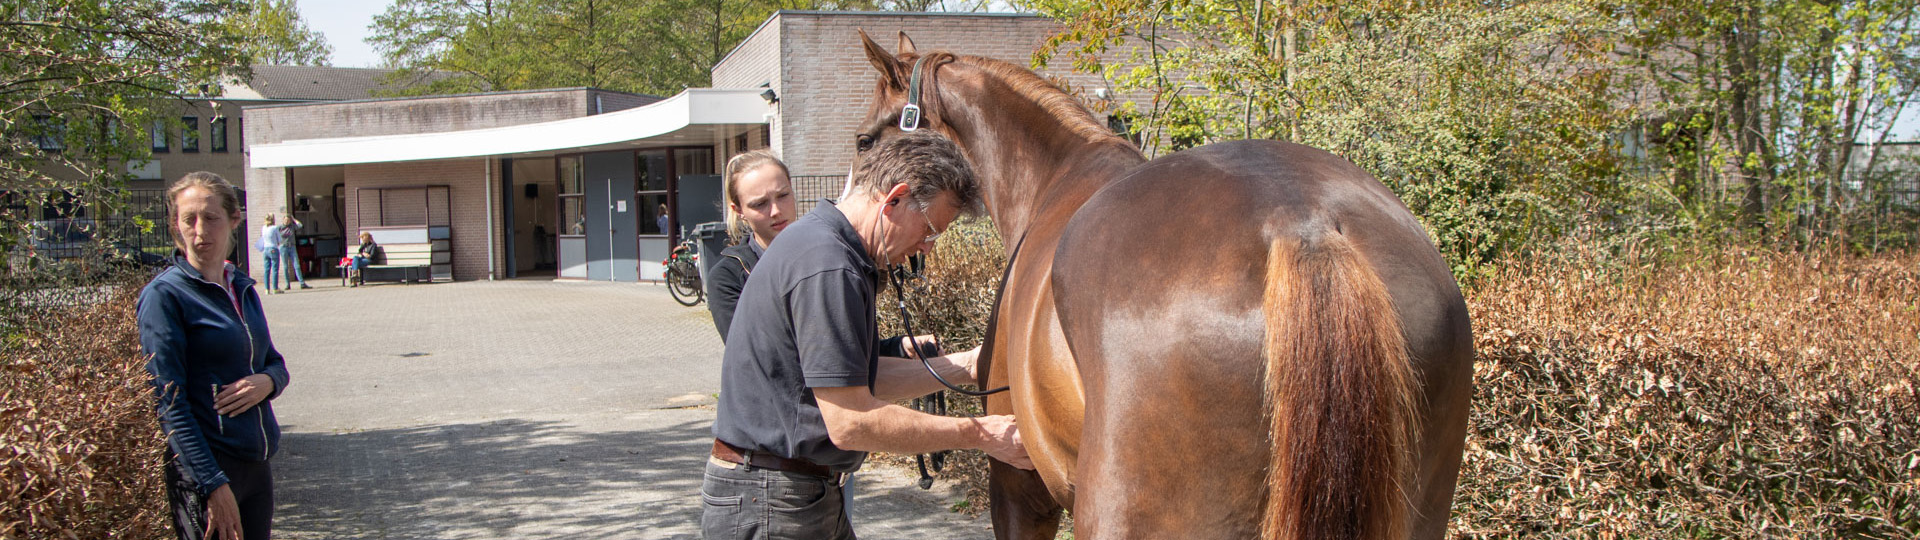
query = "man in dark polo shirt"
x=803 y=396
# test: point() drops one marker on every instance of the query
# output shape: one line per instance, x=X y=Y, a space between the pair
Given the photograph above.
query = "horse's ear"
x=906 y=44
x=882 y=60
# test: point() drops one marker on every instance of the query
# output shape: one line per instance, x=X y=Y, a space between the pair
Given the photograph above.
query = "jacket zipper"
x=260 y=419
x=234 y=300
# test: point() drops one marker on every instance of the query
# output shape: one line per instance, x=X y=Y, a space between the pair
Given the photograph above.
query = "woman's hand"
x=223 y=515
x=927 y=342
x=243 y=394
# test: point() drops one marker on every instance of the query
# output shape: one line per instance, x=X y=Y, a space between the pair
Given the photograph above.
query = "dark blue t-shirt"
x=805 y=321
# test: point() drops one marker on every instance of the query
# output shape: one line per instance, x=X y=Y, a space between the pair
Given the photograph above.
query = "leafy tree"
x=82 y=82
x=277 y=35
x=1492 y=123
x=1510 y=124
x=1765 y=101
x=652 y=46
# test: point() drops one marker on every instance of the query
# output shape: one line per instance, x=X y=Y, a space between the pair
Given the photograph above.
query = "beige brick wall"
x=276 y=123
x=754 y=62
x=177 y=162
x=468 y=208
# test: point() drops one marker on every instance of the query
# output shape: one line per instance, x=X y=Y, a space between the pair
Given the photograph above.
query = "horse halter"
x=910 y=114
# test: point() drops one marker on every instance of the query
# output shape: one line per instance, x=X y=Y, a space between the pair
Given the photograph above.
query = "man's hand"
x=1003 y=441
x=223 y=515
x=243 y=394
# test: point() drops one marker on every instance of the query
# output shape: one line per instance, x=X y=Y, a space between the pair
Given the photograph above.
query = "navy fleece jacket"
x=195 y=338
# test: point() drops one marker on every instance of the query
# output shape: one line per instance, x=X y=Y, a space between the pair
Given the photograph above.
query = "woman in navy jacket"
x=214 y=370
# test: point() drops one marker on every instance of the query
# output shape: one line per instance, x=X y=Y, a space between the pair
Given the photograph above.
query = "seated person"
x=362 y=258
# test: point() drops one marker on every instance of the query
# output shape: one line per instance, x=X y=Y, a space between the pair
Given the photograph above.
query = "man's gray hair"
x=929 y=164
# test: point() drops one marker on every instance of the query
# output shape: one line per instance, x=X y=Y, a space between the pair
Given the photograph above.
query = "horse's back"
x=1159 y=283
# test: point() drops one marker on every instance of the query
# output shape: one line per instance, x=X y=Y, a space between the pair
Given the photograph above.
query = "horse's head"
x=896 y=98
x=1021 y=132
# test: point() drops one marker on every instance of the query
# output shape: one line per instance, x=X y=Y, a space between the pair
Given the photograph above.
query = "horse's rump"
x=1188 y=330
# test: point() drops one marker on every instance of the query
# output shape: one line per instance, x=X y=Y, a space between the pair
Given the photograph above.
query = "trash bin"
x=712 y=238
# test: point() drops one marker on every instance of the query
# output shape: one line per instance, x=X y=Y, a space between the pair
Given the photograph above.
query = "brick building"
x=573 y=181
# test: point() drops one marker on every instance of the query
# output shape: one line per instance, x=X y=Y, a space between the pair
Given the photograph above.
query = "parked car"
x=74 y=243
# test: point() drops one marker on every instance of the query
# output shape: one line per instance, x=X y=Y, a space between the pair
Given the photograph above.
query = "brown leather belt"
x=736 y=455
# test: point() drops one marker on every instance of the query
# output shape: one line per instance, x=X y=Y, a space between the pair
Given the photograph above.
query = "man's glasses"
x=935 y=235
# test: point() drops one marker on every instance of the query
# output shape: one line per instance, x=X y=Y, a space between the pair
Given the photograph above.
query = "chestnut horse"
x=1246 y=339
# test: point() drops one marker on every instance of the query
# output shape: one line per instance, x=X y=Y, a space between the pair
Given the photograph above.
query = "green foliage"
x=1491 y=123
x=656 y=46
x=1511 y=125
x=277 y=36
x=84 y=80
x=1756 y=106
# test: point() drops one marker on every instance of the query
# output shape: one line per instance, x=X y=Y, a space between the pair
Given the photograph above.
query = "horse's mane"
x=1052 y=99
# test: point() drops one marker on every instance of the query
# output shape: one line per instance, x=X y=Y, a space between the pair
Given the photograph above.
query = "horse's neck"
x=1047 y=188
x=1035 y=168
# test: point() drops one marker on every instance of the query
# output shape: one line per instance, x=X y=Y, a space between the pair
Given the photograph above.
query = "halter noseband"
x=910 y=114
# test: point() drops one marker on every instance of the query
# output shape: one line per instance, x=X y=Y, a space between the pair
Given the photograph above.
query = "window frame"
x=217 y=134
x=189 y=134
x=157 y=134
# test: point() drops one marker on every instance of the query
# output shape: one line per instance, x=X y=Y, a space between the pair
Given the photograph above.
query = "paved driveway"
x=516 y=409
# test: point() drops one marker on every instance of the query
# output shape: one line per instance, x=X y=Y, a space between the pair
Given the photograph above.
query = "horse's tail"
x=1340 y=392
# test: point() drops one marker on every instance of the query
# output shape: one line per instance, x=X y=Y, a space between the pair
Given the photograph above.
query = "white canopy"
x=696 y=109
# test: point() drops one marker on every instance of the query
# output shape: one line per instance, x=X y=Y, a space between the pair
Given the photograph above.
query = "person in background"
x=660 y=220
x=362 y=257
x=270 y=244
x=215 y=370
x=760 y=202
x=290 y=250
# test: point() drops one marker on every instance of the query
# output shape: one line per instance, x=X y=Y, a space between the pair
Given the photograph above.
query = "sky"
x=344 y=23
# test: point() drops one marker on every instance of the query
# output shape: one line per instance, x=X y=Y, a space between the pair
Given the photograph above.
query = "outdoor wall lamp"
x=768 y=95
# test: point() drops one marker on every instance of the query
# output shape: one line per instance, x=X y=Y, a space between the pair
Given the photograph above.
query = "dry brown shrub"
x=953 y=302
x=80 y=448
x=1738 y=393
x=1719 y=393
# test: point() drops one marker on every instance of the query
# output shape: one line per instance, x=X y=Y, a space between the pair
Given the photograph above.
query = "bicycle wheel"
x=684 y=287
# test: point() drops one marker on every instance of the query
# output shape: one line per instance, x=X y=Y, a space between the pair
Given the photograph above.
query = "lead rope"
x=935 y=403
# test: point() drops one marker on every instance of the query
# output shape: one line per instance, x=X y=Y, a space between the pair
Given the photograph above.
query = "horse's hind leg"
x=1023 y=509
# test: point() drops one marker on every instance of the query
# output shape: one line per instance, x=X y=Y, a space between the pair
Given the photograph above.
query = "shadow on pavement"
x=502 y=479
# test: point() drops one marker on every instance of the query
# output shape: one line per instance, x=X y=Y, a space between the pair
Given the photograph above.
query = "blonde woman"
x=362 y=257
x=761 y=204
x=271 y=243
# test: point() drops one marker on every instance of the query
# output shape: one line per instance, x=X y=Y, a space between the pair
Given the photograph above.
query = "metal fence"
x=810 y=189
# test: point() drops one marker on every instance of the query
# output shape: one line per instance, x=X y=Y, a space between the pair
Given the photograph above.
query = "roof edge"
x=469 y=94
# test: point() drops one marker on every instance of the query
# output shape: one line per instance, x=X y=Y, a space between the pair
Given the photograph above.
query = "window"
x=50 y=134
x=158 y=132
x=573 y=219
x=653 y=182
x=740 y=143
x=1122 y=125
x=189 y=134
x=217 y=131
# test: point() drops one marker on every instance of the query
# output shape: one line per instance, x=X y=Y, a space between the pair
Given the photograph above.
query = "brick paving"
x=516 y=409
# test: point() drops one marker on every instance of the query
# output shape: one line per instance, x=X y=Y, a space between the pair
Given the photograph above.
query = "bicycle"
x=683 y=274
